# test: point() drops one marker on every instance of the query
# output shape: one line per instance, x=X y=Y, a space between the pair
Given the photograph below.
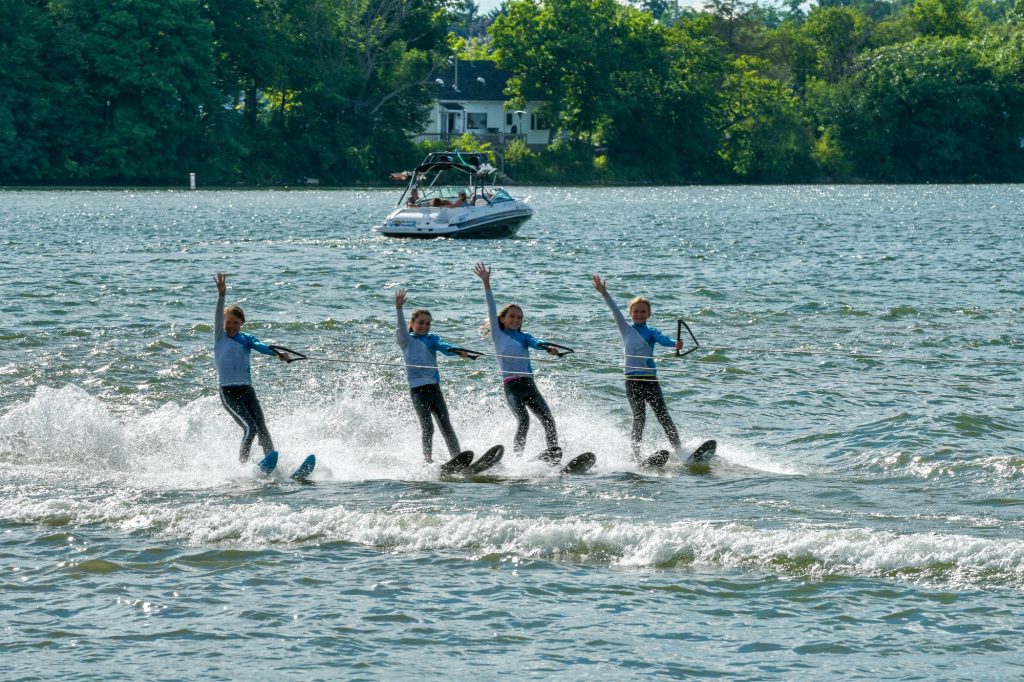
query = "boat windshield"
x=440 y=196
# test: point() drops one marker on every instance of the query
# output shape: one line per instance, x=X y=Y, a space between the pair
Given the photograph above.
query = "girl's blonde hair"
x=419 y=312
x=235 y=310
x=636 y=301
x=501 y=313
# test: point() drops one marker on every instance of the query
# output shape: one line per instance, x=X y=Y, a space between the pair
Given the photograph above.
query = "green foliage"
x=562 y=52
x=765 y=138
x=927 y=109
x=838 y=34
x=268 y=91
x=522 y=164
x=463 y=143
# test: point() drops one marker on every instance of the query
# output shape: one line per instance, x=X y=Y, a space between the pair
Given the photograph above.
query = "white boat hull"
x=489 y=221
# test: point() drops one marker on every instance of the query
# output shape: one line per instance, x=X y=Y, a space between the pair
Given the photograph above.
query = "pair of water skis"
x=268 y=464
x=463 y=463
x=699 y=458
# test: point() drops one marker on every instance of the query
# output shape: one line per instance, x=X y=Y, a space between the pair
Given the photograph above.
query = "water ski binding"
x=552 y=456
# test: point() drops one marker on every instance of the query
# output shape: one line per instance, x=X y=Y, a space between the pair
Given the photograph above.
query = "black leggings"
x=428 y=400
x=521 y=394
x=640 y=392
x=243 y=406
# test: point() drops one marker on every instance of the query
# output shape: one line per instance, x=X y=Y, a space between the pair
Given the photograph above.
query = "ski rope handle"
x=290 y=352
x=565 y=350
x=679 y=337
x=470 y=354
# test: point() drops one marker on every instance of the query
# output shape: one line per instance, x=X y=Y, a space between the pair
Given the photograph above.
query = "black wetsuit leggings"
x=427 y=400
x=521 y=394
x=243 y=406
x=640 y=393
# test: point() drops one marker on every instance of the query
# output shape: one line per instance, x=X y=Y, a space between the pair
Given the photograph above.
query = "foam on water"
x=950 y=560
x=361 y=430
x=65 y=436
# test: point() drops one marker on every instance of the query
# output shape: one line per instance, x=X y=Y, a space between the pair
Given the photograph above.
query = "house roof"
x=479 y=80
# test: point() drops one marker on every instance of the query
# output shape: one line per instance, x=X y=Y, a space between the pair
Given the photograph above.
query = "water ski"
x=305 y=469
x=268 y=463
x=487 y=460
x=552 y=456
x=580 y=464
x=658 y=459
x=703 y=454
x=457 y=463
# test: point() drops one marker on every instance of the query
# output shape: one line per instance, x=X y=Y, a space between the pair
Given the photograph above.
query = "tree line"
x=258 y=92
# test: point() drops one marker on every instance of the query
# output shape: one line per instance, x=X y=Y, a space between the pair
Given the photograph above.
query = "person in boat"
x=414 y=198
x=461 y=201
x=419 y=349
x=642 y=386
x=231 y=348
x=512 y=349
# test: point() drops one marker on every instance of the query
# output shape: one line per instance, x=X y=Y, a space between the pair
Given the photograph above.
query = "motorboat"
x=452 y=194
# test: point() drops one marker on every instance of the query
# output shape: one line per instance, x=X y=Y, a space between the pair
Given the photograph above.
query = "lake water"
x=860 y=365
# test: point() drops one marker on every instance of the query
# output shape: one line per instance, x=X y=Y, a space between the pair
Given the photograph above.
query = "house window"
x=476 y=121
x=508 y=118
x=537 y=122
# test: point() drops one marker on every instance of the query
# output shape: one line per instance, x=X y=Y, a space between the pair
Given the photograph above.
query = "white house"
x=470 y=98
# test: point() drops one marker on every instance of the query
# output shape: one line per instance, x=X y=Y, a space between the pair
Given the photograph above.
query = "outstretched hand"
x=222 y=283
x=401 y=296
x=600 y=285
x=484 y=273
x=283 y=357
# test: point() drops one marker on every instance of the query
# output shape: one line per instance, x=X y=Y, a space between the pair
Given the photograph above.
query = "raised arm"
x=620 y=320
x=218 y=316
x=401 y=329
x=484 y=273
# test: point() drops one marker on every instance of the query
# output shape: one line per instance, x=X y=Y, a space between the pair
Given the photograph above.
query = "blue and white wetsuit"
x=420 y=353
x=512 y=349
x=231 y=357
x=642 y=386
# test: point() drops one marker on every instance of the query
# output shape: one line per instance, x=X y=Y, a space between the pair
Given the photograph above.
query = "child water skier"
x=642 y=386
x=231 y=348
x=512 y=348
x=419 y=348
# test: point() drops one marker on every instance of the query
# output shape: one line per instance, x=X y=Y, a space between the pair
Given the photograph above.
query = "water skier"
x=231 y=348
x=419 y=348
x=642 y=385
x=512 y=347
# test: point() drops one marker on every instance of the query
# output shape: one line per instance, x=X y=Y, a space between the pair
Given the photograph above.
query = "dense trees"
x=267 y=91
x=144 y=91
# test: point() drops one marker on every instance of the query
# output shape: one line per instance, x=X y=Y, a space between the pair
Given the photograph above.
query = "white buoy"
x=191 y=180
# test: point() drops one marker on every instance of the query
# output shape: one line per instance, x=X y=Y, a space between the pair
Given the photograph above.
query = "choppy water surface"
x=860 y=365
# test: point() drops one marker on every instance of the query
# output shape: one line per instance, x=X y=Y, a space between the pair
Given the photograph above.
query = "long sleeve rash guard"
x=420 y=353
x=638 y=342
x=511 y=347
x=231 y=353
